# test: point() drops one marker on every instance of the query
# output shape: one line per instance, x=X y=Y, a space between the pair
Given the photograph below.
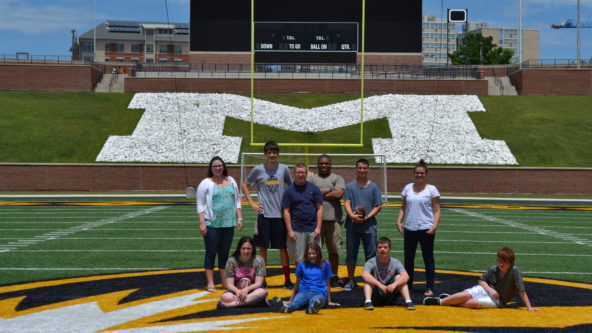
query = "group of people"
x=299 y=215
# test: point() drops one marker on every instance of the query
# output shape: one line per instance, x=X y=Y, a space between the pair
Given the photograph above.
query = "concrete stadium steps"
x=118 y=84
x=503 y=86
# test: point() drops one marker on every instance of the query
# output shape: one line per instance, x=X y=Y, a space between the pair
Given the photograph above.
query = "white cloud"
x=31 y=17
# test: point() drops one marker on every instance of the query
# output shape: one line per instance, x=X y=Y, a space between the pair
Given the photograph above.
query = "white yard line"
x=82 y=268
x=87 y=226
x=537 y=272
x=203 y=250
x=110 y=250
x=167 y=268
x=200 y=239
x=78 y=222
x=533 y=229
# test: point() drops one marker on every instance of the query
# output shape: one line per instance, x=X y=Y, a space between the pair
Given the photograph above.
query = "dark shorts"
x=379 y=298
x=271 y=233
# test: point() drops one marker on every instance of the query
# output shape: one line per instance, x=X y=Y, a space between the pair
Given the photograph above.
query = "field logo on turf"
x=174 y=301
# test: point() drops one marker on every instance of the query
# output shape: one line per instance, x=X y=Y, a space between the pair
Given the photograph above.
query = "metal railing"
x=353 y=71
x=26 y=58
x=113 y=81
x=556 y=63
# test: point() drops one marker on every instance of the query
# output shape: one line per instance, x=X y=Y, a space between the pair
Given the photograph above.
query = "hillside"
x=41 y=127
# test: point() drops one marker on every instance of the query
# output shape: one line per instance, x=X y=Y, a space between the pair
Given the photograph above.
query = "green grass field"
x=44 y=127
x=52 y=242
x=72 y=127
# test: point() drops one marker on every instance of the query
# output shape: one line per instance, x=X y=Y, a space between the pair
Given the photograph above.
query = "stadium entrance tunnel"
x=175 y=301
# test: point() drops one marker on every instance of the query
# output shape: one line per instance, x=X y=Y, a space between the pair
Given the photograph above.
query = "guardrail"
x=556 y=63
x=113 y=81
x=26 y=58
x=372 y=71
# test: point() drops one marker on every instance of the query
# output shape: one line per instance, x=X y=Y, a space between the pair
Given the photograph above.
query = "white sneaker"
x=351 y=285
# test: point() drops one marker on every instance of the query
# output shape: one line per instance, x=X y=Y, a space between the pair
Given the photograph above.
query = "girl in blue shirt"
x=312 y=288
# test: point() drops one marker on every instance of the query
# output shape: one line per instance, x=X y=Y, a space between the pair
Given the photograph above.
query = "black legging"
x=426 y=241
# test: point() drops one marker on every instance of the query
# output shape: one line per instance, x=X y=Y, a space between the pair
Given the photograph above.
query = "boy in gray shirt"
x=271 y=179
x=385 y=278
x=332 y=187
x=495 y=288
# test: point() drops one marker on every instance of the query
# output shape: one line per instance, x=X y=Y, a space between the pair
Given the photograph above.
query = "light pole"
x=94 y=30
x=578 y=42
x=520 y=33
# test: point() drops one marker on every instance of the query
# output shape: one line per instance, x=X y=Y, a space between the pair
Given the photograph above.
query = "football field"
x=59 y=239
x=130 y=266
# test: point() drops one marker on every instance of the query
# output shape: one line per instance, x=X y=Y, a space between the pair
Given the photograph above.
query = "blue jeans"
x=353 y=245
x=304 y=299
x=218 y=242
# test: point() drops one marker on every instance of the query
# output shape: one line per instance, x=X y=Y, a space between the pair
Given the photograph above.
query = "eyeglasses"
x=217 y=166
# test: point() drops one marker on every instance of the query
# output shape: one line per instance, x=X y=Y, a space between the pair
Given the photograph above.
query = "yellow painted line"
x=244 y=203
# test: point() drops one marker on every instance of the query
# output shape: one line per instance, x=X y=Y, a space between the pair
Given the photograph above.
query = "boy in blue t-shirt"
x=362 y=203
x=302 y=206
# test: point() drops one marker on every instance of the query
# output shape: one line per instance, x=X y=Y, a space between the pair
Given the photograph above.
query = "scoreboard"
x=306 y=37
x=305 y=31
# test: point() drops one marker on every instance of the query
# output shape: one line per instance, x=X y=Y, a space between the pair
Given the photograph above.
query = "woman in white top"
x=418 y=221
x=219 y=212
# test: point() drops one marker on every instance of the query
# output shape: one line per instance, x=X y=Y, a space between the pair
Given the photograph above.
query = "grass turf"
x=56 y=127
x=169 y=238
x=72 y=127
x=540 y=130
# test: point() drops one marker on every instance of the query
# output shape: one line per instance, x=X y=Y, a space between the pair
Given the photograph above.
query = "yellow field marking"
x=387 y=319
x=245 y=203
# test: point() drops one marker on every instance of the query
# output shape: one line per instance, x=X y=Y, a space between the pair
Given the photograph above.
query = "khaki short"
x=296 y=250
x=331 y=236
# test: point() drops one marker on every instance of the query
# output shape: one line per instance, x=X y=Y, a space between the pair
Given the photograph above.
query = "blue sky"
x=42 y=27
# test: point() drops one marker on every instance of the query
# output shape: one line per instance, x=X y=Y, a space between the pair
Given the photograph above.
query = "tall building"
x=438 y=40
x=507 y=38
x=130 y=41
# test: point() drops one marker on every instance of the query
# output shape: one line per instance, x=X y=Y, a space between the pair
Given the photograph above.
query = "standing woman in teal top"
x=219 y=211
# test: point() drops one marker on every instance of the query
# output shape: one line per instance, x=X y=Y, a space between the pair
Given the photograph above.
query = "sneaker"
x=351 y=285
x=335 y=282
x=368 y=305
x=431 y=301
x=276 y=303
x=265 y=303
x=279 y=306
x=284 y=308
x=288 y=285
x=410 y=305
x=342 y=282
x=318 y=304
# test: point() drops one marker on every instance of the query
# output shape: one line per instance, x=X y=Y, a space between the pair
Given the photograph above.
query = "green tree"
x=474 y=49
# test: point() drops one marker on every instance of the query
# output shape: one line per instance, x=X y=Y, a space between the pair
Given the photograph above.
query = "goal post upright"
x=308 y=144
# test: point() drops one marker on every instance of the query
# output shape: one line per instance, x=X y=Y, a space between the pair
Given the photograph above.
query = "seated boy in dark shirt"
x=495 y=289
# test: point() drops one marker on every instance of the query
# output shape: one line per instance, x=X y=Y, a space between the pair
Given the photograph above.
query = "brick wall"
x=210 y=57
x=206 y=85
x=125 y=177
x=553 y=81
x=48 y=77
x=391 y=58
